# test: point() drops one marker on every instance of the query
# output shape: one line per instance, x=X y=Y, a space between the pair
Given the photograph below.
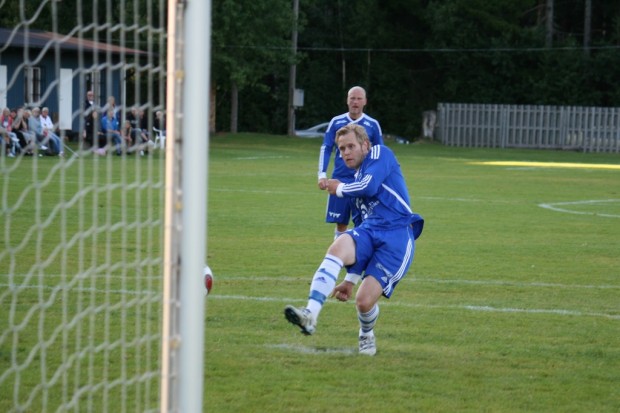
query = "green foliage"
x=251 y=45
x=410 y=56
x=423 y=53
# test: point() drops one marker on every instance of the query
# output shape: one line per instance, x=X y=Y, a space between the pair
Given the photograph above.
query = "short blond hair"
x=359 y=131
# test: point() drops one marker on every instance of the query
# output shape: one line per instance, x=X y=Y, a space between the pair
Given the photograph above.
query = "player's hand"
x=323 y=184
x=343 y=291
x=332 y=186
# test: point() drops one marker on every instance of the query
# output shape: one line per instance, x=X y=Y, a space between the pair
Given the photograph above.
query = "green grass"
x=508 y=306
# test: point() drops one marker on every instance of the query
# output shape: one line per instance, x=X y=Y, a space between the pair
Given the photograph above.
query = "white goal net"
x=90 y=281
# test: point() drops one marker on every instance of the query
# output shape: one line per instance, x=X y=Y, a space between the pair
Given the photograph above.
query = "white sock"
x=368 y=321
x=323 y=283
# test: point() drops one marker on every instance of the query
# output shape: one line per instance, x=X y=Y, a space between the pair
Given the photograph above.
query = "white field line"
x=314 y=350
x=214 y=296
x=252 y=158
x=448 y=281
x=561 y=207
x=411 y=278
x=449 y=199
x=562 y=312
x=553 y=206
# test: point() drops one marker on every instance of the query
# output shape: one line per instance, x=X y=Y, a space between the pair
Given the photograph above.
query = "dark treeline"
x=410 y=55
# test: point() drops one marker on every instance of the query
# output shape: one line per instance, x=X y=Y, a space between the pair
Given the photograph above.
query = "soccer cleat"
x=367 y=345
x=301 y=318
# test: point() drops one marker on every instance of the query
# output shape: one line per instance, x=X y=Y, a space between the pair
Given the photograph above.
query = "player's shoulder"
x=369 y=120
x=338 y=122
x=381 y=152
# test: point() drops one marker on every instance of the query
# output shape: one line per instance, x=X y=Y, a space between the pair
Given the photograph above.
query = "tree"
x=251 y=41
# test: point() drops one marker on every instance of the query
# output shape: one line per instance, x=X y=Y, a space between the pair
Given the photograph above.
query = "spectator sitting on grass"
x=44 y=137
x=111 y=129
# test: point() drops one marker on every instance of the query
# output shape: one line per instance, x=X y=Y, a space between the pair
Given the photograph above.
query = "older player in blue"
x=339 y=209
x=379 y=250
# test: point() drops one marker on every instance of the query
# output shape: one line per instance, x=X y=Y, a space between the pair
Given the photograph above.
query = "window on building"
x=93 y=82
x=32 y=84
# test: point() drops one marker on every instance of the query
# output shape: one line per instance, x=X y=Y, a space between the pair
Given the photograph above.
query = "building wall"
x=13 y=59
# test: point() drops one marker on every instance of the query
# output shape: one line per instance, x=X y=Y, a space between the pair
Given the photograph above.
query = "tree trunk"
x=234 y=107
x=549 y=25
x=587 y=27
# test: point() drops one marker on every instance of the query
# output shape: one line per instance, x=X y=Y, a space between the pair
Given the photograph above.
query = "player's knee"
x=368 y=294
x=364 y=303
x=343 y=247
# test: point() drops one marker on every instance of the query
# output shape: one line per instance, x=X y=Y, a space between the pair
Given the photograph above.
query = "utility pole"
x=587 y=27
x=293 y=72
x=549 y=28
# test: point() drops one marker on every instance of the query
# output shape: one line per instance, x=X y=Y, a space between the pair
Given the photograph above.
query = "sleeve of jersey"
x=379 y=137
x=376 y=170
x=326 y=152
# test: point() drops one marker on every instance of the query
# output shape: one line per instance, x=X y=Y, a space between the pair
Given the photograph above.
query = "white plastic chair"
x=160 y=138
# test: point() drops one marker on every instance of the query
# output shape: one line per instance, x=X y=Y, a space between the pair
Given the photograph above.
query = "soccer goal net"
x=97 y=309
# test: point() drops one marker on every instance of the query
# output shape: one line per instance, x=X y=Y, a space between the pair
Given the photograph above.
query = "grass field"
x=512 y=303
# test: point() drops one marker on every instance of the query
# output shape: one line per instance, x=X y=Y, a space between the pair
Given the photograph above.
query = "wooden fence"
x=588 y=129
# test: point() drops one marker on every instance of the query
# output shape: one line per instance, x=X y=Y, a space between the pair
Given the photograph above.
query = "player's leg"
x=389 y=264
x=338 y=212
x=366 y=302
x=339 y=254
x=340 y=229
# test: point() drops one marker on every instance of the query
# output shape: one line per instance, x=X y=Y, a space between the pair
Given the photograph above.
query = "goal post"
x=187 y=167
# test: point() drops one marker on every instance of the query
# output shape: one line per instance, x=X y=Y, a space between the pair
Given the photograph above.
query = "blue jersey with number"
x=341 y=171
x=380 y=193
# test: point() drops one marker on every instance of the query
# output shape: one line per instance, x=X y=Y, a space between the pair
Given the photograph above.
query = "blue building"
x=39 y=68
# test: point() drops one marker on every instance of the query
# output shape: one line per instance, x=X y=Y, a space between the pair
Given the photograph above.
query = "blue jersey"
x=109 y=124
x=341 y=171
x=380 y=193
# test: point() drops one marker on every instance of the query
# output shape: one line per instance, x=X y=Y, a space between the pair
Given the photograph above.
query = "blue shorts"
x=383 y=255
x=338 y=210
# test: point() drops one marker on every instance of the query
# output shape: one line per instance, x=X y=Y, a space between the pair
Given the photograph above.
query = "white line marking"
x=414 y=279
x=486 y=201
x=255 y=191
x=213 y=296
x=252 y=158
x=519 y=284
x=561 y=312
x=313 y=350
x=411 y=278
x=554 y=206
